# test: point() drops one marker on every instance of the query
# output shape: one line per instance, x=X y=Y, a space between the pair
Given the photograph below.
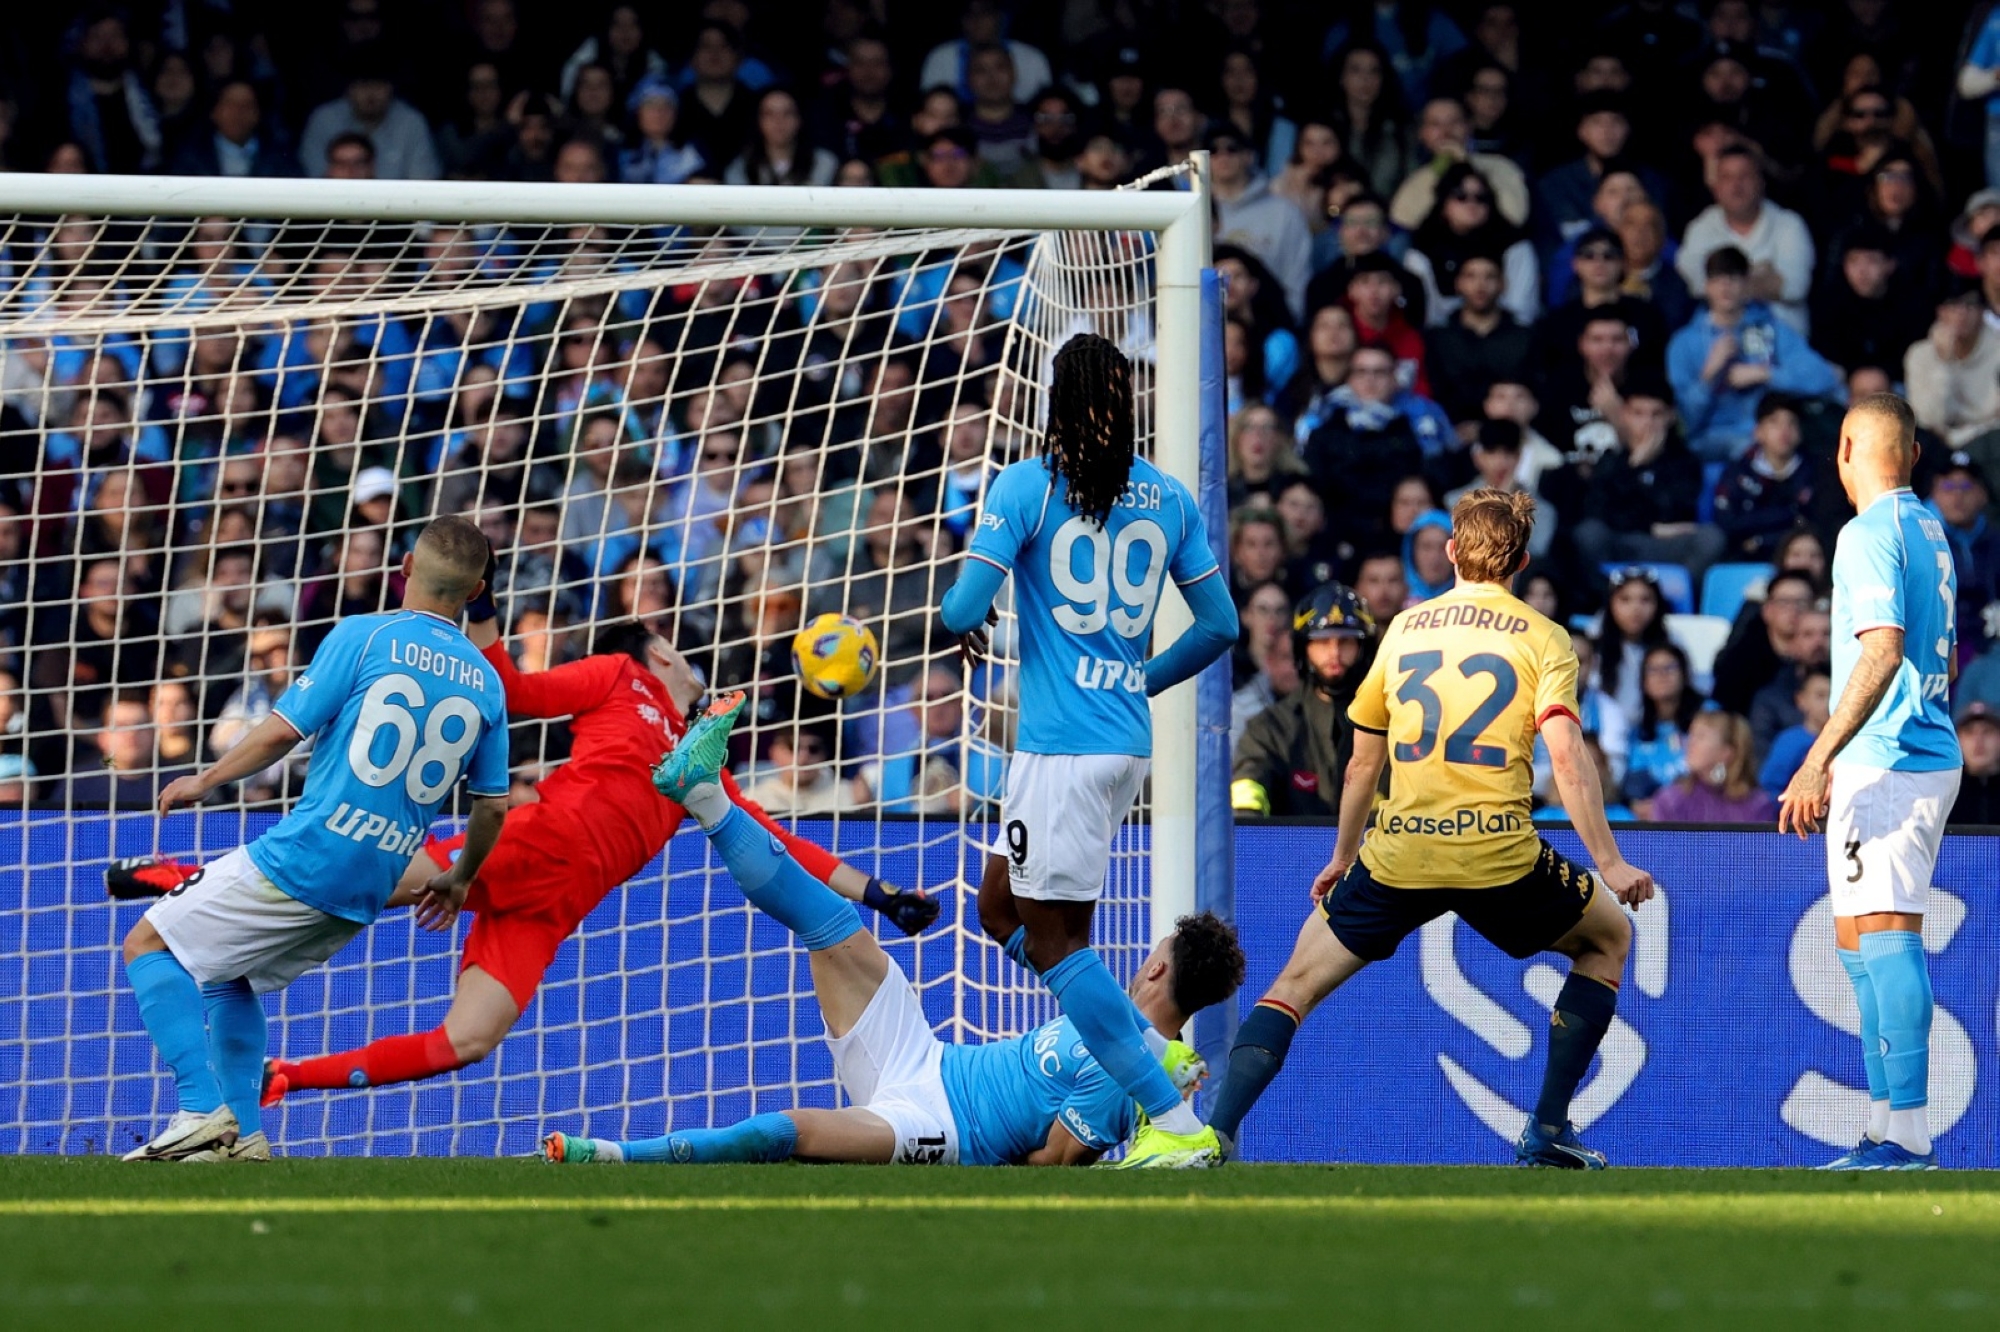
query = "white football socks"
x=709 y=804
x=1910 y=1129
x=1180 y=1121
x=1878 y=1120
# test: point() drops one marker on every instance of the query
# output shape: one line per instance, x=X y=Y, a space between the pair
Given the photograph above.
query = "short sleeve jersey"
x=399 y=706
x=1085 y=596
x=1459 y=687
x=1004 y=1095
x=1892 y=568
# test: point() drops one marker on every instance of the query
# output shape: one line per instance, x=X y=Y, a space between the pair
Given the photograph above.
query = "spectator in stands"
x=1462 y=223
x=929 y=764
x=984 y=22
x=111 y=118
x=947 y=159
x=1362 y=228
x=1262 y=669
x=1050 y=161
x=1960 y=496
x=1657 y=754
x=1514 y=400
x=581 y=161
x=1733 y=353
x=1978 y=803
x=396 y=130
x=1363 y=447
x=1597 y=277
x=1566 y=197
x=1788 y=748
x=1414 y=37
x=1643 y=499
x=1312 y=556
x=1862 y=314
x=774 y=153
x=1764 y=638
x=1329 y=352
x=716 y=104
x=1293 y=755
x=129 y=774
x=1979 y=81
x=1247 y=103
x=1368 y=111
x=1635 y=620
x=1650 y=274
x=891 y=574
x=1480 y=343
x=1954 y=373
x=1442 y=132
x=802 y=778
x=652 y=157
x=1585 y=396
x=238 y=142
x=472 y=140
x=1373 y=298
x=269 y=658
x=1379 y=582
x=1256 y=552
x=1720 y=785
x=593 y=111
x=1777 y=247
x=1774 y=706
x=858 y=117
x=620 y=48
x=1426 y=567
x=1496 y=460
x=1261 y=459
x=1249 y=217
x=999 y=120
x=1773 y=488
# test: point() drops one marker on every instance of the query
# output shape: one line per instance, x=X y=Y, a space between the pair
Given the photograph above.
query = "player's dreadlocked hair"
x=1208 y=962
x=1091 y=437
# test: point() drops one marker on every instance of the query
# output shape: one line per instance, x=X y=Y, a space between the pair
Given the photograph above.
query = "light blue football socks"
x=236 y=1048
x=1102 y=1013
x=760 y=1138
x=170 y=1005
x=1856 y=968
x=1896 y=965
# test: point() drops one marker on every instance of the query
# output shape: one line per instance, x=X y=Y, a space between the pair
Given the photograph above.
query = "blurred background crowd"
x=1630 y=258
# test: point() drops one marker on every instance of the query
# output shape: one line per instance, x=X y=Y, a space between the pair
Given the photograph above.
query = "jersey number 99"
x=1112 y=593
x=381 y=708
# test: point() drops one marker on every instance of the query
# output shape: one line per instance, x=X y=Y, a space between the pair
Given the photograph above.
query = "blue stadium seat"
x=1711 y=476
x=1728 y=586
x=1676 y=583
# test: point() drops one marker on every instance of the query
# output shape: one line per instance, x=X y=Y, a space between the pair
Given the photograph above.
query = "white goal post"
x=1130 y=261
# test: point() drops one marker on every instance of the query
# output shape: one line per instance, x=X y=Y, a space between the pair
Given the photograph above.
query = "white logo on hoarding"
x=1623 y=1052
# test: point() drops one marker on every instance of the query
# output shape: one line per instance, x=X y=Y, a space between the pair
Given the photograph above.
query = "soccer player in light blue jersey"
x=1090 y=533
x=1885 y=769
x=1037 y=1099
x=399 y=706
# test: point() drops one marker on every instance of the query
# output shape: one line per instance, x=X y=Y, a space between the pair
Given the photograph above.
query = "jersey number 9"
x=1110 y=580
x=381 y=708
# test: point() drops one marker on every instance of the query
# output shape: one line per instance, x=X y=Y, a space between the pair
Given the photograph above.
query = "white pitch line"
x=1827 y=1208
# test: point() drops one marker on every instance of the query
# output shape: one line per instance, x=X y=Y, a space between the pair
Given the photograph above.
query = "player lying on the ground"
x=1476 y=673
x=259 y=917
x=1037 y=1099
x=596 y=824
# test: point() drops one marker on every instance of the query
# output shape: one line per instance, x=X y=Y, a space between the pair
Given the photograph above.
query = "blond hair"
x=1490 y=531
x=1741 y=777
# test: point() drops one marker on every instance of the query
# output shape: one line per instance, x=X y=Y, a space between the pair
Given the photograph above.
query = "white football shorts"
x=1059 y=818
x=1883 y=829
x=229 y=921
x=890 y=1065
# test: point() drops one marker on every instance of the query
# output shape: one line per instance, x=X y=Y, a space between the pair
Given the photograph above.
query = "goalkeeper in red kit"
x=596 y=822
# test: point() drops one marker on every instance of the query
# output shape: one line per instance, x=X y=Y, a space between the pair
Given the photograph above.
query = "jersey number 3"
x=382 y=708
x=1462 y=745
x=1110 y=592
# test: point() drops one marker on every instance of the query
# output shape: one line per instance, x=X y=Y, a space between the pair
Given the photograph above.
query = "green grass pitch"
x=481 y=1244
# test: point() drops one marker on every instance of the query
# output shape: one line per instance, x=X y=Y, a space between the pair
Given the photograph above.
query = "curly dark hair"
x=626 y=638
x=1091 y=439
x=1208 y=962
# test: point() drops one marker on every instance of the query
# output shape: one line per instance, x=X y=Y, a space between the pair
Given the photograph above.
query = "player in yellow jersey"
x=1459 y=689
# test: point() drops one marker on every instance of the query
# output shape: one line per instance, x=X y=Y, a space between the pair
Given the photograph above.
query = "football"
x=835 y=656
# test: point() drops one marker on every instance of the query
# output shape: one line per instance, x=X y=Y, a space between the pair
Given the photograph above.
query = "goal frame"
x=1178 y=217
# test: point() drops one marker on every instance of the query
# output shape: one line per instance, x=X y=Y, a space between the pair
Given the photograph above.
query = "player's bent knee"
x=142 y=939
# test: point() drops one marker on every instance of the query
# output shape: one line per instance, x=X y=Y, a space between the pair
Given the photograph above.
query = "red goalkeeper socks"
x=391 y=1059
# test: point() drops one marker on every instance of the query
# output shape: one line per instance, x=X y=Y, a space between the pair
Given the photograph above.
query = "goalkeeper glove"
x=481 y=607
x=1248 y=797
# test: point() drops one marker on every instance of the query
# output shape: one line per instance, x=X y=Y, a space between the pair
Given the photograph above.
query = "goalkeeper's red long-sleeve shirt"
x=602 y=802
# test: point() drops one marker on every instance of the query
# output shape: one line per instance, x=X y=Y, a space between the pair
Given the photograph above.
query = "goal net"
x=225 y=420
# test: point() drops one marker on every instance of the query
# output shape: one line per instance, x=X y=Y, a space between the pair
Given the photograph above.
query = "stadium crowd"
x=1633 y=261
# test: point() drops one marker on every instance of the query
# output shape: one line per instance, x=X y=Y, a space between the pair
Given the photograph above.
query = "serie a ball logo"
x=835 y=656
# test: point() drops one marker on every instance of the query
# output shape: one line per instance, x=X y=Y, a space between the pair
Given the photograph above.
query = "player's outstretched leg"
x=141 y=878
x=760 y=1138
x=1597 y=948
x=171 y=1007
x=1856 y=968
x=1902 y=980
